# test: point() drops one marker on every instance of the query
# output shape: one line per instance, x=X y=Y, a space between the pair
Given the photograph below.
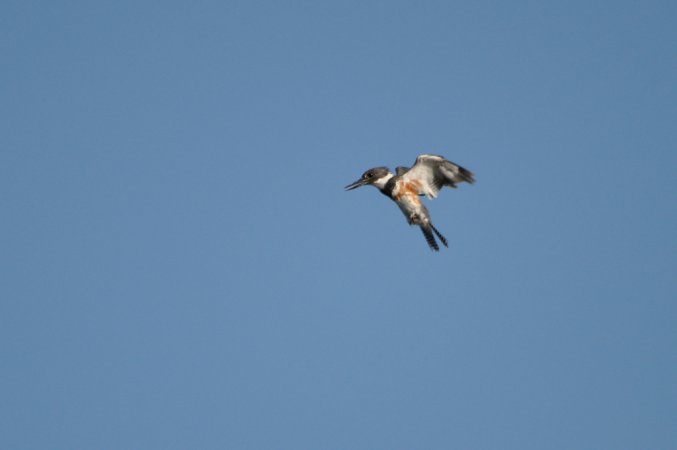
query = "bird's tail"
x=439 y=235
x=427 y=230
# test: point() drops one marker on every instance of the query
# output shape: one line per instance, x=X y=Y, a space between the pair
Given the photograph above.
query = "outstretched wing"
x=432 y=172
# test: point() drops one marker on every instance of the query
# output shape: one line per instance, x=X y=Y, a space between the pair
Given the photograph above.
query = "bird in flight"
x=428 y=175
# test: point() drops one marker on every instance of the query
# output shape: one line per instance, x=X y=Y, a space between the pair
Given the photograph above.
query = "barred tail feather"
x=430 y=237
x=439 y=235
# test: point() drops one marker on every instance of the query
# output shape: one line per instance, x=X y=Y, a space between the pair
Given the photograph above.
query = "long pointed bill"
x=355 y=185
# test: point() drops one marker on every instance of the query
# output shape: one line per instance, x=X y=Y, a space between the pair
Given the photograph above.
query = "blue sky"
x=182 y=268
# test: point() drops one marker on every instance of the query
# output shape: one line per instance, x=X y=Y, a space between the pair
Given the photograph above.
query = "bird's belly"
x=413 y=209
x=407 y=198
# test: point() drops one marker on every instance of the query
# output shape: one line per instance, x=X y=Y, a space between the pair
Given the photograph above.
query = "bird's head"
x=378 y=176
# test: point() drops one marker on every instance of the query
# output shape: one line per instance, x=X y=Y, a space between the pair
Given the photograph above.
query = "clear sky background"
x=181 y=268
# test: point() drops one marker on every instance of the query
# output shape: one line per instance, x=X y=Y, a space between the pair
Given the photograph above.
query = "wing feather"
x=434 y=172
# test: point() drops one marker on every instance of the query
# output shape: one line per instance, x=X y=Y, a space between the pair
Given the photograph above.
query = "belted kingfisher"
x=428 y=175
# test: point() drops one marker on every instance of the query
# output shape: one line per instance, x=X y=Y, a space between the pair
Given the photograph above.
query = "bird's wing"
x=401 y=170
x=432 y=173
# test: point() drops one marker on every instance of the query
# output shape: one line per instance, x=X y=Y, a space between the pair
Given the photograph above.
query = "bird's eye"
x=369 y=175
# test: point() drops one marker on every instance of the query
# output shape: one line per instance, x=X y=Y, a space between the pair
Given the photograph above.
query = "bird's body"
x=426 y=177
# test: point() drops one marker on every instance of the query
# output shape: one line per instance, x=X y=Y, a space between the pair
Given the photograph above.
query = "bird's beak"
x=356 y=184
